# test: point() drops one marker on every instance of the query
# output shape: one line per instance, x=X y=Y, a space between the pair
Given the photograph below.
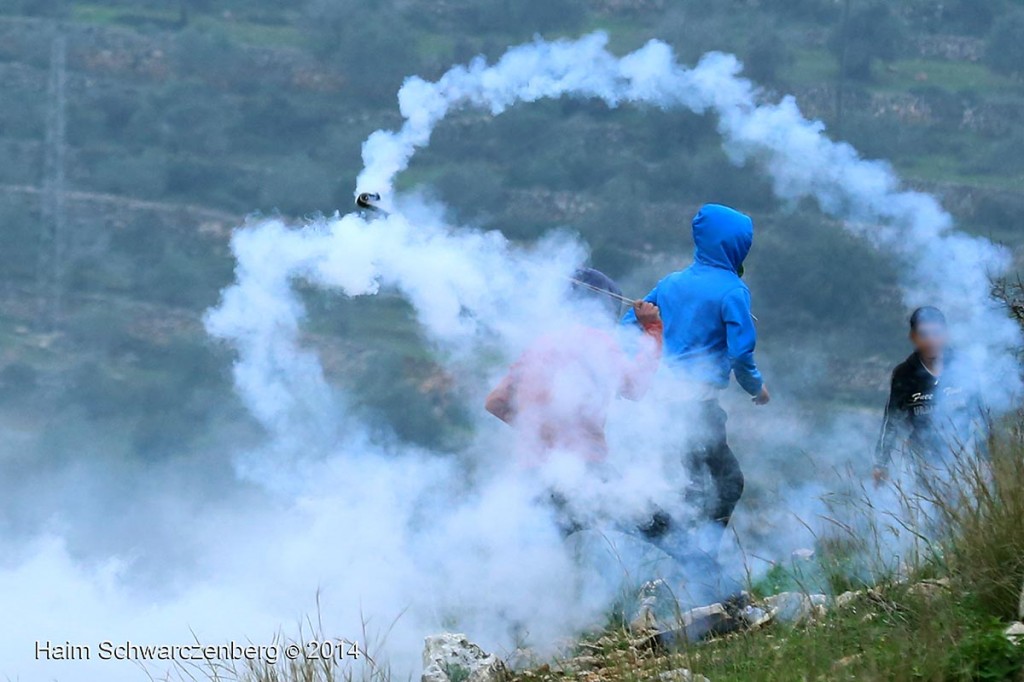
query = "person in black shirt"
x=926 y=403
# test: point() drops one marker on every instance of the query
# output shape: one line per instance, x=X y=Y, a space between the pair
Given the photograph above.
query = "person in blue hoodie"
x=709 y=335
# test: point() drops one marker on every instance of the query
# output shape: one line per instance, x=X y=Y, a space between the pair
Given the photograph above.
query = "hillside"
x=141 y=133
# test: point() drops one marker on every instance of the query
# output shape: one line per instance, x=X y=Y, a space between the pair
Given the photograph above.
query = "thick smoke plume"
x=405 y=541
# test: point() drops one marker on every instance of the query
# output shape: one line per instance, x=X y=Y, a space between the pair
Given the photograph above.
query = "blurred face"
x=929 y=339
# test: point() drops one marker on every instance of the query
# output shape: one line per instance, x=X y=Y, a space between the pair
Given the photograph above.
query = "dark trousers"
x=709 y=453
x=714 y=455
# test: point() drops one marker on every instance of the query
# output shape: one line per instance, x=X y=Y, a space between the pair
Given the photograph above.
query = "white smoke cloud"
x=388 y=531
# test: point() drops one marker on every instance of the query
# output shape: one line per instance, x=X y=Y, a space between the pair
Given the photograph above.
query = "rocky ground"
x=652 y=648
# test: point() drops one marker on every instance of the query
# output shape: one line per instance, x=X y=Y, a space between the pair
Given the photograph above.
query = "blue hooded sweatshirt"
x=709 y=332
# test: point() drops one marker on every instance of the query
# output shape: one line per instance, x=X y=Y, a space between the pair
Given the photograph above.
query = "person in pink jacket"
x=558 y=393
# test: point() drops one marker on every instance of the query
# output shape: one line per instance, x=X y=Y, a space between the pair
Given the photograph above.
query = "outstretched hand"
x=646 y=313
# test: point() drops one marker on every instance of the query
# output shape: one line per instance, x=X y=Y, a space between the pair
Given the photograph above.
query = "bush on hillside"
x=767 y=53
x=973 y=16
x=373 y=49
x=518 y=17
x=872 y=33
x=1005 y=52
x=822 y=11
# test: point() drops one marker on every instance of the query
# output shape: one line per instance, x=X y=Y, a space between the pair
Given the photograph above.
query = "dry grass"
x=312 y=657
x=982 y=512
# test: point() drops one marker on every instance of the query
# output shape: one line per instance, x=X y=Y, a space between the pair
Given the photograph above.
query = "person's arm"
x=741 y=338
x=630 y=316
x=639 y=372
x=895 y=427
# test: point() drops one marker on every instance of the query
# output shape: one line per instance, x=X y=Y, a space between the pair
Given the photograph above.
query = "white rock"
x=755 y=616
x=929 y=589
x=847 y=598
x=1015 y=633
x=453 y=658
x=803 y=554
x=794 y=607
x=681 y=675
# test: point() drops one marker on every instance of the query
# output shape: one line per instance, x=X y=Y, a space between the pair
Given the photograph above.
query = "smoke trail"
x=941 y=266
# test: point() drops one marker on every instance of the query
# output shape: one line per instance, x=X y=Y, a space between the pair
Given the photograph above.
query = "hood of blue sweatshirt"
x=723 y=237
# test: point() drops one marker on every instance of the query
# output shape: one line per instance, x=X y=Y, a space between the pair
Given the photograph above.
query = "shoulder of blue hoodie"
x=710 y=300
x=697 y=284
x=712 y=290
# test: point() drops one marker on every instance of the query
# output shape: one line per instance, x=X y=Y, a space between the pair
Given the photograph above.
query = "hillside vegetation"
x=173 y=121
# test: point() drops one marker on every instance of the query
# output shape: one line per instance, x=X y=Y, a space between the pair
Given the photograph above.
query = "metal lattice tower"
x=53 y=207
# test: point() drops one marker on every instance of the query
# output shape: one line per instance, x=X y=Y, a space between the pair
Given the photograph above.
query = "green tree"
x=952 y=16
x=43 y=8
x=765 y=55
x=1005 y=53
x=547 y=15
x=186 y=7
x=516 y=17
x=973 y=16
x=865 y=35
x=817 y=10
x=373 y=49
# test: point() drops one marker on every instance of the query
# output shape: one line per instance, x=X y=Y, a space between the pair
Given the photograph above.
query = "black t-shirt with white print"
x=925 y=412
